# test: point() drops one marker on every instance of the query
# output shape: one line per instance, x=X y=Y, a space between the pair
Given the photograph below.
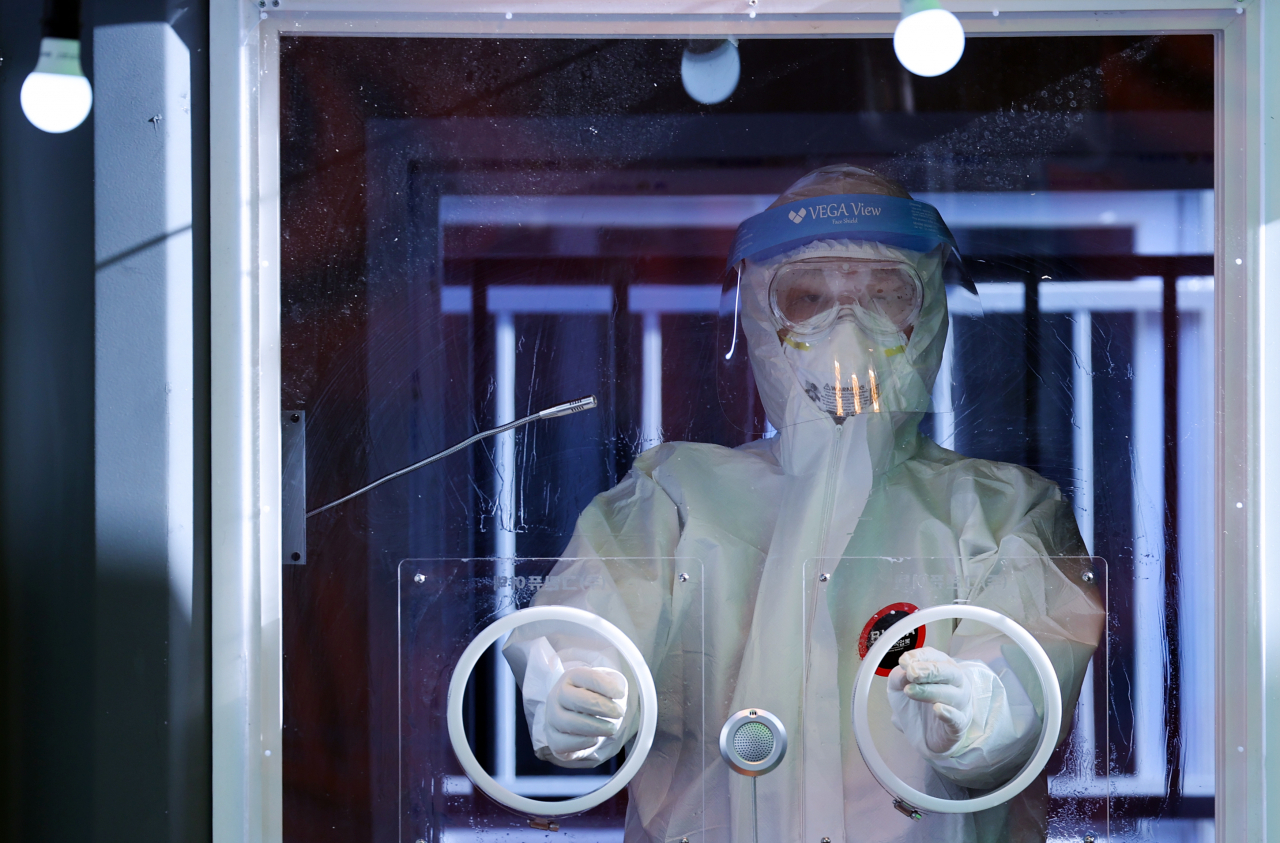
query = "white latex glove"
x=940 y=699
x=584 y=707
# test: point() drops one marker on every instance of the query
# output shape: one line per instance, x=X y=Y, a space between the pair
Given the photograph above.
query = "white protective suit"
x=757 y=525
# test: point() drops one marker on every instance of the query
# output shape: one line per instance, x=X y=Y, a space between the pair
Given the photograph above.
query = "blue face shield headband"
x=905 y=223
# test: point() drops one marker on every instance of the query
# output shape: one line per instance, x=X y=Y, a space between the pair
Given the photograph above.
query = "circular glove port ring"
x=1048 y=731
x=636 y=754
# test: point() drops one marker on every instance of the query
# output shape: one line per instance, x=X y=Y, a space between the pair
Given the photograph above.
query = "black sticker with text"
x=879 y=624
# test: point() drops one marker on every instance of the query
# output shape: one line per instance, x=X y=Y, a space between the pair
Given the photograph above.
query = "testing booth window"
x=475 y=229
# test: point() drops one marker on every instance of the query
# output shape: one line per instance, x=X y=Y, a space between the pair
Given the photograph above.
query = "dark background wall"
x=62 y=671
x=46 y=457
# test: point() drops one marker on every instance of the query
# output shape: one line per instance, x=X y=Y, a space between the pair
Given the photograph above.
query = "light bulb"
x=928 y=42
x=55 y=96
x=711 y=77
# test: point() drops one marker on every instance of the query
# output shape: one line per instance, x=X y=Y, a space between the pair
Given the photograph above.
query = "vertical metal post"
x=1082 y=457
x=1148 y=552
x=505 y=447
x=504 y=684
x=1082 y=428
x=755 y=814
x=944 y=419
x=149 y=641
x=651 y=382
x=246 y=784
x=1196 y=585
x=1031 y=374
x=1173 y=663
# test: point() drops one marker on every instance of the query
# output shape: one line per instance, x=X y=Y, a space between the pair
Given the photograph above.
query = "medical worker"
x=797 y=550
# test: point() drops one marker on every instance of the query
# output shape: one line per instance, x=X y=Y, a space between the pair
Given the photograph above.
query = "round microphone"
x=753 y=742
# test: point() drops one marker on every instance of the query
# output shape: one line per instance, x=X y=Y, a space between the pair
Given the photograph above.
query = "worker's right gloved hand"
x=942 y=699
x=585 y=706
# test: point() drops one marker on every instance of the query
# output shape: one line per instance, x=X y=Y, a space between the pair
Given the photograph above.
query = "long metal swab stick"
x=565 y=409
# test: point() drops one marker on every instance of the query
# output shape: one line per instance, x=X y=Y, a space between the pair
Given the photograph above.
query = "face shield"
x=837 y=324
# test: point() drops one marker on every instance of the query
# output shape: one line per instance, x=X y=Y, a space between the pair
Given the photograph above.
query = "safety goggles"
x=809 y=296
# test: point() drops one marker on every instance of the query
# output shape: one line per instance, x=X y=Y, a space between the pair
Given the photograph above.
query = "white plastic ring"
x=636 y=754
x=1052 y=720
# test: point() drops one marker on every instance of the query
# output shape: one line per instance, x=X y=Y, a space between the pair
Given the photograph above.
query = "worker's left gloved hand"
x=940 y=704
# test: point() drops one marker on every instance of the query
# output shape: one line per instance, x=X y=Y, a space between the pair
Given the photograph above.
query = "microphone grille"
x=753 y=741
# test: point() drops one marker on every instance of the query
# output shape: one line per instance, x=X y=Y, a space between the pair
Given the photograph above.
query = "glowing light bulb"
x=929 y=40
x=55 y=96
x=711 y=77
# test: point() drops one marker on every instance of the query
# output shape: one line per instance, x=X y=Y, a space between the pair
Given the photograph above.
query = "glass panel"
x=849 y=603
x=446 y=603
x=474 y=229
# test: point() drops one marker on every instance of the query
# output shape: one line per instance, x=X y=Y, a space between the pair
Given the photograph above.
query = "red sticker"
x=879 y=624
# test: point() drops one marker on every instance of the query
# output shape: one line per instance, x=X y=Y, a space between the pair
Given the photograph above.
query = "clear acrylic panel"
x=849 y=603
x=445 y=603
